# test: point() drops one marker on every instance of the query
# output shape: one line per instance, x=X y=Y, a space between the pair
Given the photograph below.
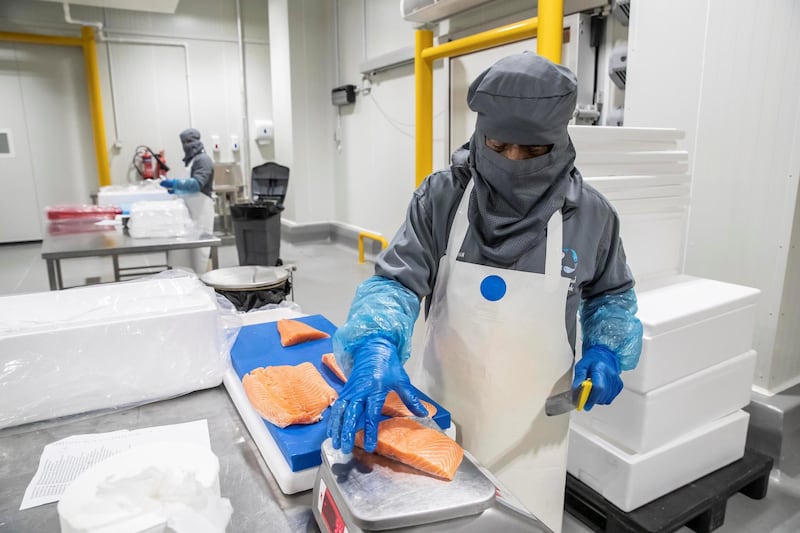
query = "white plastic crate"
x=690 y=324
x=643 y=422
x=630 y=480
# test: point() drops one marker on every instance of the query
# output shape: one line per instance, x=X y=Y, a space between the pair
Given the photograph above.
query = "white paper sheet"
x=64 y=460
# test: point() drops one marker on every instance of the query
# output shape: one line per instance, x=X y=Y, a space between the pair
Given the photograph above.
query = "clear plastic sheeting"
x=381 y=308
x=110 y=346
x=611 y=321
x=168 y=218
x=124 y=196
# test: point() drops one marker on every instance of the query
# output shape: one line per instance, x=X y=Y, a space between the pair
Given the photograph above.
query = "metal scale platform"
x=363 y=492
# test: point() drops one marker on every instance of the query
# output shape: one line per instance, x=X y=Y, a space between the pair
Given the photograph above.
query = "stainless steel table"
x=115 y=242
x=258 y=504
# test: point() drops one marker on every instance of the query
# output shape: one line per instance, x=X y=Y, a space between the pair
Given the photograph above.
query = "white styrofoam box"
x=631 y=480
x=610 y=151
x=124 y=196
x=105 y=346
x=654 y=242
x=690 y=324
x=643 y=422
x=654 y=212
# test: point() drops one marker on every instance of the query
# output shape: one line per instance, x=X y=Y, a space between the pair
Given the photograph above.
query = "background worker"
x=503 y=245
x=196 y=192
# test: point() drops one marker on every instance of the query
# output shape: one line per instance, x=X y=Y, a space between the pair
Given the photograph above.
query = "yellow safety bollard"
x=367 y=235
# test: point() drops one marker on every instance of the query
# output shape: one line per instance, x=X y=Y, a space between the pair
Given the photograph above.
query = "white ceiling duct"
x=157 y=6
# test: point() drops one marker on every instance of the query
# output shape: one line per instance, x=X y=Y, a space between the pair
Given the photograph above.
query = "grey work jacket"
x=594 y=258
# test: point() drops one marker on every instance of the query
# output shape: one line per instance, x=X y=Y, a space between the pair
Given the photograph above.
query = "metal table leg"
x=115 y=260
x=51 y=274
x=214 y=258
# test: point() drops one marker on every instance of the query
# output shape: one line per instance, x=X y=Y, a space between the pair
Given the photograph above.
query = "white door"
x=19 y=207
x=46 y=109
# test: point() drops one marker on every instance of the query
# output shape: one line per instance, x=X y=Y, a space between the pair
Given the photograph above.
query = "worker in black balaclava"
x=508 y=246
x=195 y=190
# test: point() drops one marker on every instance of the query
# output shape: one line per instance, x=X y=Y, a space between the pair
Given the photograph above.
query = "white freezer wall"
x=146 y=94
x=374 y=140
x=726 y=72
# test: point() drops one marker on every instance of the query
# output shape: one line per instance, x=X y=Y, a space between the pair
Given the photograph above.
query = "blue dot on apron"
x=493 y=288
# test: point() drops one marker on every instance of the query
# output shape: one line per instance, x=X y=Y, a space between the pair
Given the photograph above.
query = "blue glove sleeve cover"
x=601 y=366
x=187 y=185
x=376 y=371
x=610 y=321
x=381 y=308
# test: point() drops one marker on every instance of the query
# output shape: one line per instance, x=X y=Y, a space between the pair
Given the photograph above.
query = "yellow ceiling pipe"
x=88 y=44
x=549 y=25
x=96 y=105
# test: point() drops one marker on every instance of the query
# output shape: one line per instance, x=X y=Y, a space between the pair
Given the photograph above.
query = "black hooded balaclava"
x=192 y=148
x=527 y=100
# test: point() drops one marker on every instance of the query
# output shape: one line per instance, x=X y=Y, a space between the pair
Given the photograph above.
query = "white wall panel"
x=729 y=77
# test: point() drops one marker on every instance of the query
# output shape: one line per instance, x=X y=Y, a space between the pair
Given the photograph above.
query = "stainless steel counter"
x=258 y=504
x=116 y=241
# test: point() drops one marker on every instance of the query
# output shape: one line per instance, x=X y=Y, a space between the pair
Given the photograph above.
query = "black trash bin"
x=257 y=224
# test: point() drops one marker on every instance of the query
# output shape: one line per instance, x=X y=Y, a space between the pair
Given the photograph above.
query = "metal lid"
x=383 y=494
x=245 y=278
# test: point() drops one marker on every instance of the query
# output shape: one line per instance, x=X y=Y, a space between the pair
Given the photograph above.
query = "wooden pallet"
x=700 y=505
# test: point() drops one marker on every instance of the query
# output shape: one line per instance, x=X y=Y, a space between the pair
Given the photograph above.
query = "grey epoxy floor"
x=326 y=277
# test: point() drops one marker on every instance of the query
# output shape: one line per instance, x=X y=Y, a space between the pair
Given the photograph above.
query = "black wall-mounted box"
x=346 y=94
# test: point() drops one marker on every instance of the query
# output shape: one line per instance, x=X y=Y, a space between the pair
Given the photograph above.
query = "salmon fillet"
x=294 y=332
x=329 y=360
x=415 y=445
x=286 y=395
x=394 y=406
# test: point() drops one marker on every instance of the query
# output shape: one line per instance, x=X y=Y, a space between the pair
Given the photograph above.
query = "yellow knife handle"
x=586 y=388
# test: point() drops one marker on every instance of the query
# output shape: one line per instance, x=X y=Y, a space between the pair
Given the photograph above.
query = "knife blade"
x=566 y=401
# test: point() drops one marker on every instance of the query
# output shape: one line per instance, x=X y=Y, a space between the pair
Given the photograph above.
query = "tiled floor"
x=326 y=277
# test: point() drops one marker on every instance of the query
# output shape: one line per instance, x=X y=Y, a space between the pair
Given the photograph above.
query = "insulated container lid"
x=687 y=300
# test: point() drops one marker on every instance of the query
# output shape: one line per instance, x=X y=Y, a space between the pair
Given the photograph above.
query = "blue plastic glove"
x=601 y=366
x=376 y=371
x=187 y=185
x=169 y=185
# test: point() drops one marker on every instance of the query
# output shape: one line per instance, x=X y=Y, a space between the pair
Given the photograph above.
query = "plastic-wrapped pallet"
x=109 y=346
x=630 y=480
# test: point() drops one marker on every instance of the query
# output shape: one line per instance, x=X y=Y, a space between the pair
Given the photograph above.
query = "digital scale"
x=363 y=492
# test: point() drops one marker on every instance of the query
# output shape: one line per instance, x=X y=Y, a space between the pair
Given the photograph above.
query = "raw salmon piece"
x=287 y=395
x=329 y=360
x=294 y=332
x=409 y=442
x=394 y=406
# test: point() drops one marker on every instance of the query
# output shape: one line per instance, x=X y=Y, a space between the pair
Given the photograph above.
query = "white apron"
x=201 y=209
x=493 y=364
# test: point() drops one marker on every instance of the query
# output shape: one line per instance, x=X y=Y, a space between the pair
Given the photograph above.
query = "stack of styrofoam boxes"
x=679 y=416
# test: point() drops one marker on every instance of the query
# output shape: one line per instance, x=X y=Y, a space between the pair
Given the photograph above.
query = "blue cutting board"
x=260 y=345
